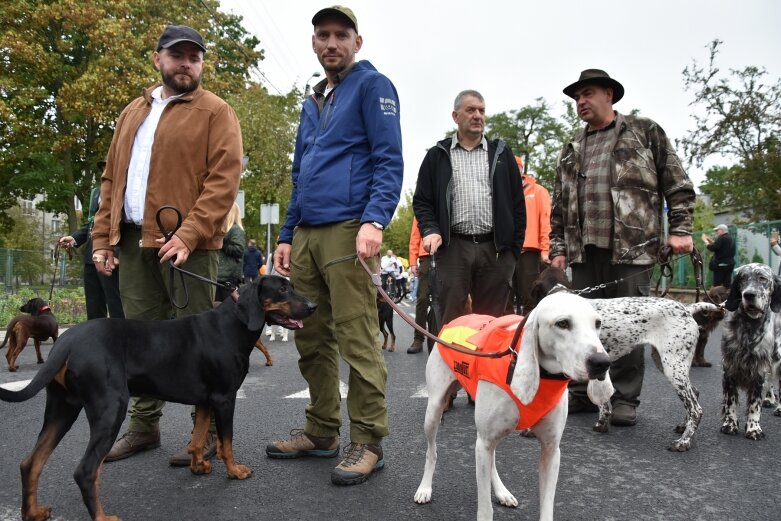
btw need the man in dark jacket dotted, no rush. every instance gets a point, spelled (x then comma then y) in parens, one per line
(471, 213)
(253, 260)
(723, 261)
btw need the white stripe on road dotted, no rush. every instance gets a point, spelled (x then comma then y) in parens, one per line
(15, 386)
(305, 392)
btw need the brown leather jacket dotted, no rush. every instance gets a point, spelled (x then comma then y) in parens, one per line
(195, 166)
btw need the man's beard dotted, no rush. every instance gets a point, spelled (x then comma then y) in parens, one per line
(180, 87)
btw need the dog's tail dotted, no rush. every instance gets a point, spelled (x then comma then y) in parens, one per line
(57, 359)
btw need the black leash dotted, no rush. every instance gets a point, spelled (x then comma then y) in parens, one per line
(167, 235)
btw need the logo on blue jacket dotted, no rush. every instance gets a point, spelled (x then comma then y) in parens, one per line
(388, 106)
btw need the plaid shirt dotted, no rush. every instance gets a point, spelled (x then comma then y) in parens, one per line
(471, 212)
(595, 202)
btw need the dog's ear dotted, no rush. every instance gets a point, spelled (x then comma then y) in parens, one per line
(775, 300)
(249, 308)
(735, 296)
(526, 378)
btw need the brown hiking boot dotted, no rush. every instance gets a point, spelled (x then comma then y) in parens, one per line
(302, 444)
(359, 462)
(131, 443)
(416, 347)
(182, 458)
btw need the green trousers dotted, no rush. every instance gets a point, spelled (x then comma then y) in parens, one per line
(325, 269)
(144, 285)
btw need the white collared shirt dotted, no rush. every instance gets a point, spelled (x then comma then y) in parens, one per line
(140, 156)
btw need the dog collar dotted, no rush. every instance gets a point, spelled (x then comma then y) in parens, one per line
(44, 308)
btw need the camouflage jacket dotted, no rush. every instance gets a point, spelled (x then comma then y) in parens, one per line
(645, 169)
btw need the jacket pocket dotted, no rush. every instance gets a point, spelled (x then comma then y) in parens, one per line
(634, 167)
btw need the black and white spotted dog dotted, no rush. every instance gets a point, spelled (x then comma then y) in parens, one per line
(750, 345)
(667, 326)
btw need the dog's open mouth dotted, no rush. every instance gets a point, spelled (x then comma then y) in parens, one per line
(279, 319)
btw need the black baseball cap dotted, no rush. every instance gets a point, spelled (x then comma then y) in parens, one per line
(174, 34)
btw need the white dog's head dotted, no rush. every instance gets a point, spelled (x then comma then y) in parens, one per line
(754, 290)
(561, 335)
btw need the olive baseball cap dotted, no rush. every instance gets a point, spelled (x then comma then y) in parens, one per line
(174, 34)
(337, 10)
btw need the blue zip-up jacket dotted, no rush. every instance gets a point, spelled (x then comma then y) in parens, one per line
(347, 163)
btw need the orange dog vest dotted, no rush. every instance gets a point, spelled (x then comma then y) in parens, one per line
(484, 333)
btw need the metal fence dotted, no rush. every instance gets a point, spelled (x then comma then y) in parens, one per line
(37, 268)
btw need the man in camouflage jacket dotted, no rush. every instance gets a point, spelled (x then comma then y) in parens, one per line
(606, 216)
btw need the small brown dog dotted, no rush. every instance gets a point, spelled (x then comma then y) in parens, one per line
(707, 321)
(39, 325)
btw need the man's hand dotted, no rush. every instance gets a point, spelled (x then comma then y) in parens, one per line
(681, 243)
(104, 261)
(544, 257)
(431, 243)
(174, 248)
(368, 241)
(282, 259)
(67, 242)
(413, 269)
(559, 261)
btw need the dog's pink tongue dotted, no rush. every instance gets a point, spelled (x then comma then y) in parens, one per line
(298, 323)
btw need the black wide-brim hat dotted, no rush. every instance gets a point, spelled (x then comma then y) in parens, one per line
(596, 77)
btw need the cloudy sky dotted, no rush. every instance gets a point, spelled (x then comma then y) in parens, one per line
(516, 51)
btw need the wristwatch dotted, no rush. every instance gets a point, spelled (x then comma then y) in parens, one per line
(377, 225)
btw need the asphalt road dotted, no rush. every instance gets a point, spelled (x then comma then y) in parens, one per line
(626, 474)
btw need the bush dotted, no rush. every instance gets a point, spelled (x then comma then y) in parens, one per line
(68, 305)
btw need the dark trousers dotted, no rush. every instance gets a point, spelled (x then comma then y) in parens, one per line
(102, 294)
(466, 268)
(422, 303)
(722, 275)
(627, 372)
(527, 269)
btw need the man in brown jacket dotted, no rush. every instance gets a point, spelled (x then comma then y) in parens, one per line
(178, 145)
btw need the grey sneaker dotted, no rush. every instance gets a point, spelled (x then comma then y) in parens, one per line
(133, 442)
(302, 444)
(182, 458)
(360, 461)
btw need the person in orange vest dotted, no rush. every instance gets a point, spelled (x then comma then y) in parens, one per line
(419, 264)
(535, 244)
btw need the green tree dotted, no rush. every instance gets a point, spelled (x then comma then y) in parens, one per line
(737, 116)
(534, 134)
(268, 126)
(396, 236)
(68, 67)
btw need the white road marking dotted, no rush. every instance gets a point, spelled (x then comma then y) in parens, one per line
(305, 392)
(15, 386)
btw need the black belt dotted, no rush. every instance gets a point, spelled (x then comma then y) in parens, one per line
(484, 237)
(131, 226)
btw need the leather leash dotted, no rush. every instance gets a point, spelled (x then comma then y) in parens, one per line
(666, 272)
(168, 234)
(510, 351)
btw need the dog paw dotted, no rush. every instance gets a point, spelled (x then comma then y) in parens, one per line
(777, 412)
(423, 495)
(505, 498)
(239, 472)
(766, 403)
(201, 468)
(680, 446)
(755, 434)
(269, 363)
(729, 428)
(37, 513)
(601, 426)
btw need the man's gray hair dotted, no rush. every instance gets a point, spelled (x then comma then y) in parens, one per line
(463, 94)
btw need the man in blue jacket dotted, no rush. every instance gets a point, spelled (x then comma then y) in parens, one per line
(347, 175)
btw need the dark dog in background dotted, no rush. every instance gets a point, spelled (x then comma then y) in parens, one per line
(40, 325)
(750, 345)
(708, 320)
(200, 360)
(385, 316)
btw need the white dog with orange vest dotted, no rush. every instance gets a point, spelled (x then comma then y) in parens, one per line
(561, 339)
